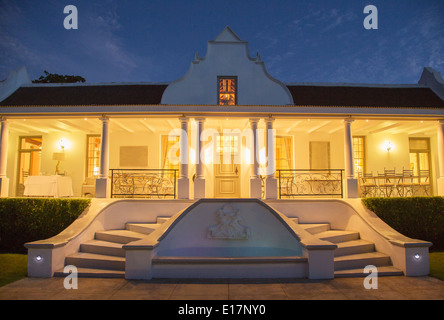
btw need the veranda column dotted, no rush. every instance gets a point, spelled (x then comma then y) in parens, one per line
(271, 187)
(4, 180)
(440, 184)
(199, 181)
(102, 185)
(255, 181)
(183, 184)
(351, 184)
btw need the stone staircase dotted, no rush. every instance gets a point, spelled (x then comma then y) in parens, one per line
(352, 254)
(104, 257)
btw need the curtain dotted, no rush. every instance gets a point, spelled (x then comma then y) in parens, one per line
(164, 146)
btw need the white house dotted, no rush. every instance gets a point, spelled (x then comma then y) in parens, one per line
(226, 129)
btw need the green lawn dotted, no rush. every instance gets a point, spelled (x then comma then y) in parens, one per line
(13, 266)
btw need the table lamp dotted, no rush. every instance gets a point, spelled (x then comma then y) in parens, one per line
(59, 156)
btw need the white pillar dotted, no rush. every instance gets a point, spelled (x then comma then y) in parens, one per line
(102, 185)
(4, 137)
(199, 181)
(271, 187)
(183, 184)
(255, 181)
(351, 184)
(440, 184)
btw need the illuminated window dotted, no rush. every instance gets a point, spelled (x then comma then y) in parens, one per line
(93, 155)
(29, 157)
(227, 144)
(284, 153)
(170, 149)
(227, 91)
(419, 152)
(359, 154)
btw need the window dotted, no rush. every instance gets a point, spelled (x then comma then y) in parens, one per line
(30, 154)
(227, 149)
(93, 145)
(284, 153)
(419, 156)
(227, 91)
(359, 154)
(227, 144)
(170, 152)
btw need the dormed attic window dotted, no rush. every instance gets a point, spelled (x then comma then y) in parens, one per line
(227, 90)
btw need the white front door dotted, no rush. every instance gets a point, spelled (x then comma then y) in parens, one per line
(227, 171)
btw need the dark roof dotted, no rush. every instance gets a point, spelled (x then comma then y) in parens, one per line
(86, 95)
(360, 96)
(151, 94)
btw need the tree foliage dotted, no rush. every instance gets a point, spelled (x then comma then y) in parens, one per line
(58, 78)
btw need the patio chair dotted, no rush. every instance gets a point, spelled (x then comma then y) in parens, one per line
(368, 184)
(424, 181)
(406, 184)
(387, 182)
(89, 187)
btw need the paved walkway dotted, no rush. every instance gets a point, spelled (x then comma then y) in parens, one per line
(389, 288)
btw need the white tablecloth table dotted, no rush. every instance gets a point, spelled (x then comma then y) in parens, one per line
(48, 186)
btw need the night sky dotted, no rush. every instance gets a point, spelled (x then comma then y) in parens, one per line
(156, 40)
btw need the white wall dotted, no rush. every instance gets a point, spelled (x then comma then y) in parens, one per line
(227, 56)
(301, 148)
(378, 158)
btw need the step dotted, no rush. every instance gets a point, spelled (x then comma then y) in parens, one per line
(96, 261)
(161, 220)
(337, 236)
(118, 236)
(296, 220)
(93, 273)
(315, 228)
(145, 228)
(361, 260)
(354, 247)
(103, 247)
(227, 260)
(383, 271)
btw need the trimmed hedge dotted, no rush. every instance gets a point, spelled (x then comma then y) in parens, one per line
(24, 220)
(415, 217)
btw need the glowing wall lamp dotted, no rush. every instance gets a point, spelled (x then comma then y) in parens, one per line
(63, 144)
(388, 146)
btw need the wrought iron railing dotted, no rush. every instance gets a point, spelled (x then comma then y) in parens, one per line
(144, 183)
(310, 183)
